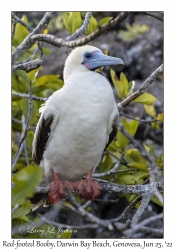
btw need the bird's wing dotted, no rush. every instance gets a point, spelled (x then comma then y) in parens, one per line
(46, 124)
(112, 126)
(41, 137)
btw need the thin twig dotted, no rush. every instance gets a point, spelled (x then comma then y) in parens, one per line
(28, 43)
(150, 14)
(15, 208)
(154, 231)
(58, 42)
(36, 98)
(82, 29)
(13, 28)
(138, 119)
(91, 217)
(130, 207)
(16, 18)
(111, 171)
(28, 116)
(123, 162)
(28, 66)
(137, 227)
(36, 63)
(144, 203)
(24, 143)
(153, 169)
(19, 151)
(18, 121)
(24, 132)
(141, 89)
(111, 187)
(30, 58)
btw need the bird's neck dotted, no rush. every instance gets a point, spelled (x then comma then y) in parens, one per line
(69, 71)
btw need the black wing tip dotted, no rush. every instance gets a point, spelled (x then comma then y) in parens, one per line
(42, 138)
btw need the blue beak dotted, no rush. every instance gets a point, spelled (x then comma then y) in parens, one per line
(97, 59)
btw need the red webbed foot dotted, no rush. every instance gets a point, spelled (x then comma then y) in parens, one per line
(56, 190)
(88, 188)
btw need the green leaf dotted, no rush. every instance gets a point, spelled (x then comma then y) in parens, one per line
(155, 125)
(20, 32)
(159, 161)
(25, 182)
(150, 110)
(42, 80)
(151, 149)
(46, 51)
(140, 175)
(32, 74)
(130, 87)
(126, 179)
(131, 128)
(15, 83)
(92, 26)
(66, 235)
(76, 21)
(145, 98)
(117, 84)
(22, 210)
(106, 163)
(29, 139)
(136, 156)
(67, 22)
(133, 31)
(160, 117)
(139, 166)
(104, 21)
(122, 140)
(72, 21)
(23, 75)
(23, 81)
(155, 200)
(124, 81)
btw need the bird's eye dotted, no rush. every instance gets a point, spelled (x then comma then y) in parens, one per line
(87, 55)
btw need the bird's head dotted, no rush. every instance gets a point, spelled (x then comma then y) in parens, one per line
(87, 58)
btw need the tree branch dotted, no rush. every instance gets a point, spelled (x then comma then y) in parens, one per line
(138, 119)
(28, 66)
(150, 14)
(112, 188)
(111, 171)
(153, 169)
(36, 98)
(82, 29)
(25, 128)
(93, 218)
(137, 227)
(130, 207)
(17, 19)
(58, 42)
(13, 28)
(19, 151)
(141, 89)
(28, 42)
(144, 203)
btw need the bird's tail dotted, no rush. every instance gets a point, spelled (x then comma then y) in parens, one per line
(39, 200)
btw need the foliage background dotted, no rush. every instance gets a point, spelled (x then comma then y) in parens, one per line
(139, 42)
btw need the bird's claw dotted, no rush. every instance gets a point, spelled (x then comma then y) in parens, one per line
(56, 190)
(88, 189)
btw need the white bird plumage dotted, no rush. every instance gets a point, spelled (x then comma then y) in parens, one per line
(82, 116)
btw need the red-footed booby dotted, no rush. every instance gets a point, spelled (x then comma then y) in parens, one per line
(76, 124)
